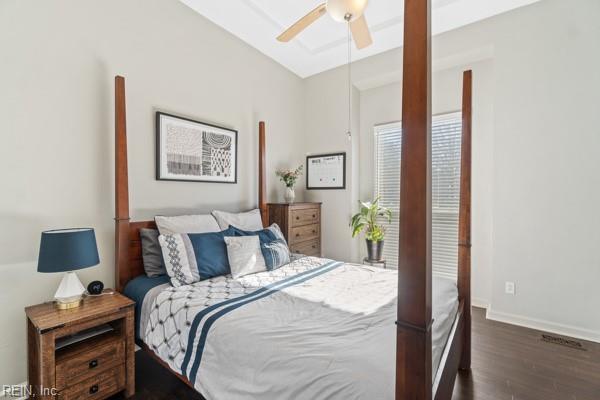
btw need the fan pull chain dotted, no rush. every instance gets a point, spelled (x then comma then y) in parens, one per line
(349, 132)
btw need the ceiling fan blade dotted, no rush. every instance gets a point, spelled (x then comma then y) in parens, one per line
(360, 32)
(303, 23)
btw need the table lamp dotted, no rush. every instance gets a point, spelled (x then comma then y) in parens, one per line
(67, 250)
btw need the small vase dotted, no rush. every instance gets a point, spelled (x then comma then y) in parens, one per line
(289, 195)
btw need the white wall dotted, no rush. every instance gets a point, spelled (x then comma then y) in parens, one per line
(57, 63)
(326, 124)
(546, 166)
(535, 167)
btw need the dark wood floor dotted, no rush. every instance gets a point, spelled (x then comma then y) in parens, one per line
(513, 363)
(509, 363)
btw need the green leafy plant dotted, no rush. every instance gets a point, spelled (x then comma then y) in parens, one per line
(289, 177)
(366, 220)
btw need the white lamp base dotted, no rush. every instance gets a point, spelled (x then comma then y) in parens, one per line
(70, 292)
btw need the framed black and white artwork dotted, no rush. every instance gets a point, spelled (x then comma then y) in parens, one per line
(188, 150)
(326, 171)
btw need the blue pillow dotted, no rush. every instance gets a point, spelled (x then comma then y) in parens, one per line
(193, 257)
(211, 253)
(272, 245)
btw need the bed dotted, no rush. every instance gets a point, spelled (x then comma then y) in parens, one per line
(318, 328)
(318, 322)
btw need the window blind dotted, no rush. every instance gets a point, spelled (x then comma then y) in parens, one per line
(445, 182)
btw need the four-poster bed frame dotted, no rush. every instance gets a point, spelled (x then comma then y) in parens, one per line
(414, 377)
(413, 346)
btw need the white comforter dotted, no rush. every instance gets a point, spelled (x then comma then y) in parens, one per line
(313, 329)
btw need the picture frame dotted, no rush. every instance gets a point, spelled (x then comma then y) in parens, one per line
(326, 171)
(188, 150)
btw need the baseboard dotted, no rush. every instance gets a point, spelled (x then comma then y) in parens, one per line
(541, 325)
(5, 394)
(479, 303)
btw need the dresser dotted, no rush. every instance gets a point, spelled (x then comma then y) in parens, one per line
(67, 362)
(300, 224)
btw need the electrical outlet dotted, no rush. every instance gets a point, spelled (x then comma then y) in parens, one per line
(509, 288)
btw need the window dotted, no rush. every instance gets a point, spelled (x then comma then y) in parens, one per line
(445, 182)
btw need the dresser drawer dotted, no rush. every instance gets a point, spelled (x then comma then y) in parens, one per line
(96, 387)
(304, 217)
(304, 233)
(310, 248)
(81, 365)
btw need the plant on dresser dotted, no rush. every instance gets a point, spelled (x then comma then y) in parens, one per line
(300, 224)
(81, 353)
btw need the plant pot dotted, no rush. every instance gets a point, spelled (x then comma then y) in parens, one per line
(374, 250)
(289, 195)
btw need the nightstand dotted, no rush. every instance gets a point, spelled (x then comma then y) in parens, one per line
(68, 356)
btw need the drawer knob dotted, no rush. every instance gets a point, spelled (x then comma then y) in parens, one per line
(297, 235)
(314, 231)
(314, 247)
(93, 389)
(297, 217)
(93, 364)
(314, 216)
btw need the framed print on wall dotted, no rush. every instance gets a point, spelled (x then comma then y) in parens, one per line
(194, 151)
(326, 171)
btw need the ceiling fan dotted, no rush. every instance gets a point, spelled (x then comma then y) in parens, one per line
(350, 11)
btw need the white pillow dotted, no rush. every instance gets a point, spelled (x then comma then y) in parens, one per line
(247, 221)
(245, 256)
(186, 224)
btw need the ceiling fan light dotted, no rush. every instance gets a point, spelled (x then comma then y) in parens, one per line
(346, 10)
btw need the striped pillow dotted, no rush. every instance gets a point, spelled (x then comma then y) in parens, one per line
(192, 257)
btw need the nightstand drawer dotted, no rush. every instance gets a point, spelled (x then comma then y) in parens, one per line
(304, 217)
(304, 233)
(310, 248)
(96, 387)
(75, 366)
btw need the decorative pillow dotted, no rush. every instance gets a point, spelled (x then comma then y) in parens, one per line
(193, 257)
(248, 221)
(151, 253)
(272, 244)
(245, 255)
(186, 224)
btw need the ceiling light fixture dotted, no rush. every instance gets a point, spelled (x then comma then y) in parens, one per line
(351, 12)
(346, 10)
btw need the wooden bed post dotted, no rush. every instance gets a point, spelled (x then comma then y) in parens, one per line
(262, 178)
(121, 185)
(464, 219)
(413, 348)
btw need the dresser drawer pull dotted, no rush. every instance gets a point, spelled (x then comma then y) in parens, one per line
(297, 235)
(297, 217)
(314, 216)
(314, 247)
(314, 231)
(93, 364)
(93, 389)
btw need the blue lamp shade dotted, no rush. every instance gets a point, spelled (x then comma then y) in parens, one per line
(65, 250)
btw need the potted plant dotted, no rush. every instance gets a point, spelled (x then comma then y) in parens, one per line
(289, 177)
(367, 220)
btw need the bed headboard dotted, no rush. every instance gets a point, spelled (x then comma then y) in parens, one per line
(128, 248)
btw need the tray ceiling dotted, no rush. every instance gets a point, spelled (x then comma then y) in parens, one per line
(323, 45)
